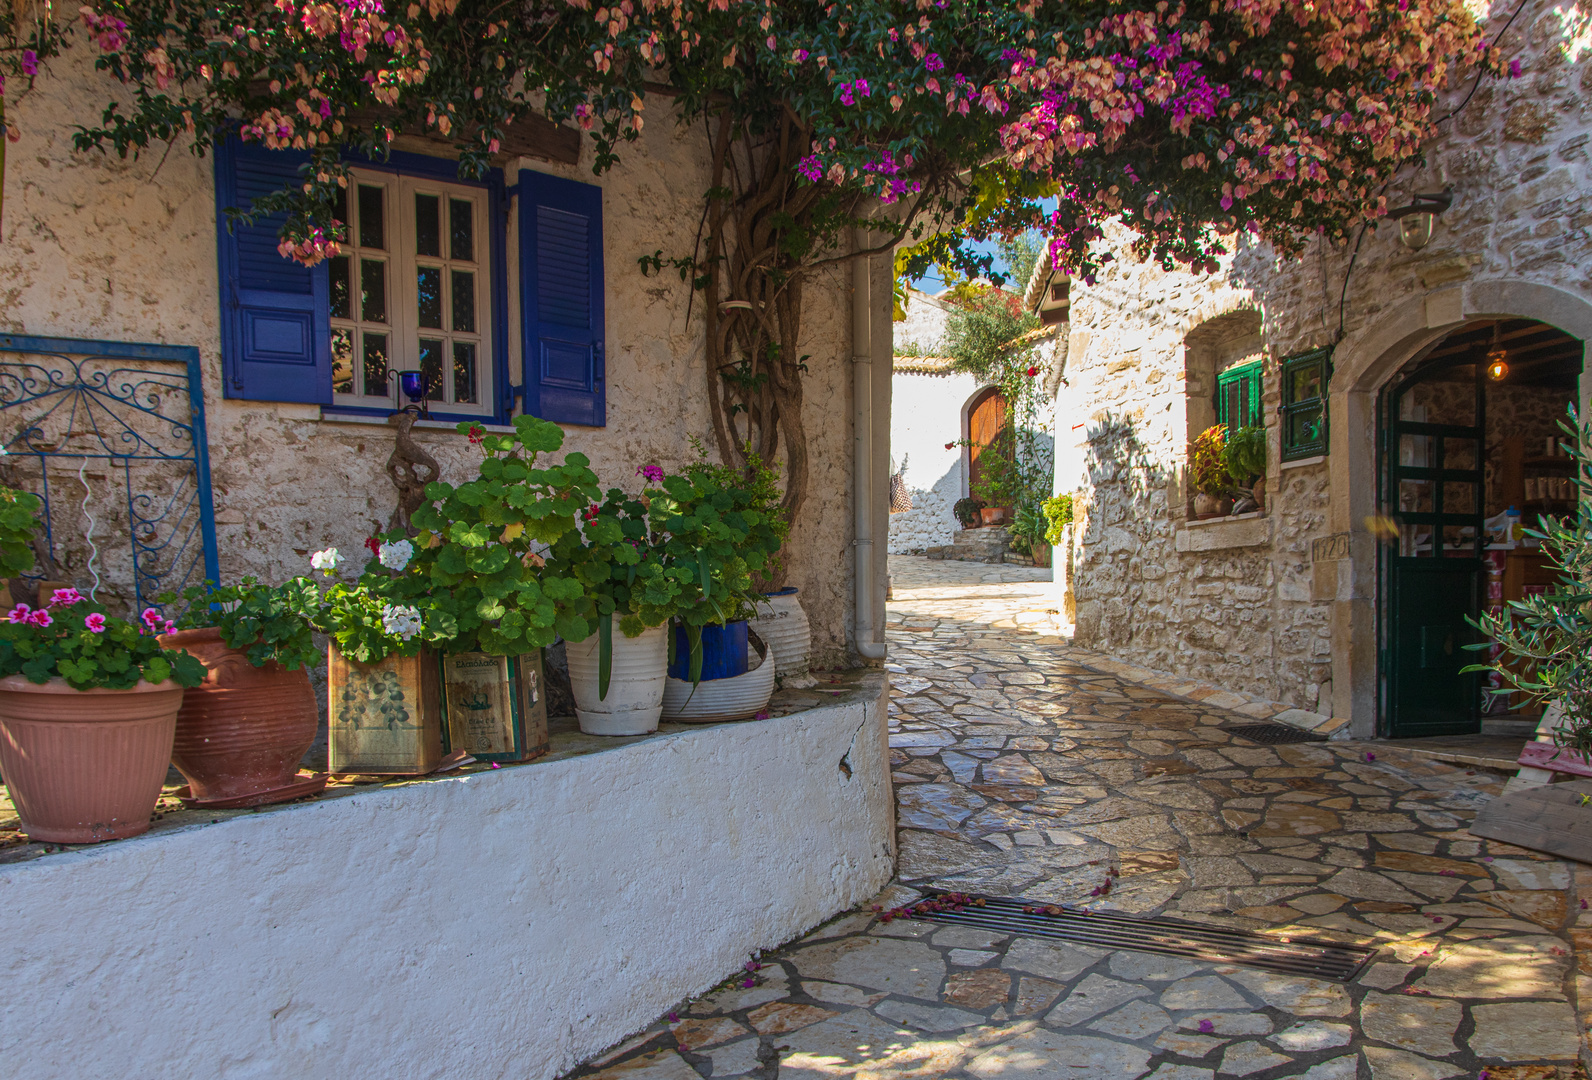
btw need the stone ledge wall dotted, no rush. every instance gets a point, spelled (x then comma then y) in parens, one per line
(1259, 619)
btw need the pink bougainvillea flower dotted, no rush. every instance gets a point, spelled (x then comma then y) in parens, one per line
(1514, 69)
(65, 598)
(95, 623)
(748, 983)
(764, 716)
(674, 1018)
(30, 62)
(40, 617)
(1370, 756)
(1206, 1027)
(19, 614)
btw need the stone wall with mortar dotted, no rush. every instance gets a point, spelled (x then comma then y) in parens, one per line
(97, 247)
(1242, 603)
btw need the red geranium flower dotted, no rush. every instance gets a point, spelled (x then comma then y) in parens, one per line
(373, 544)
(477, 433)
(1032, 372)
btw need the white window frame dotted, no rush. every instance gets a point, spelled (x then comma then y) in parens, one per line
(403, 291)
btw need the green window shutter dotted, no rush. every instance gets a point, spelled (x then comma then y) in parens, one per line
(1304, 404)
(1238, 396)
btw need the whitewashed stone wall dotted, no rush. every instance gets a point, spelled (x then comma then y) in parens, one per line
(96, 247)
(928, 412)
(1262, 617)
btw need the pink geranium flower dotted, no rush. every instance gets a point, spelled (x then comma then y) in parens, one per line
(40, 617)
(652, 474)
(65, 598)
(19, 614)
(95, 622)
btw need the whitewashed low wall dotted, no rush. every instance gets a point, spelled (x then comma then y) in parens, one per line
(502, 924)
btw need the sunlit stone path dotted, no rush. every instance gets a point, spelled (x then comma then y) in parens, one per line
(1020, 772)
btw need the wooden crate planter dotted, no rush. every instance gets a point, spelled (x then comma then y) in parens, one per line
(384, 718)
(495, 706)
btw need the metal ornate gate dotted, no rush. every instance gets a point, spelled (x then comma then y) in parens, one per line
(112, 437)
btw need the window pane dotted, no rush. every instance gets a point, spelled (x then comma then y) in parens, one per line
(340, 211)
(431, 368)
(1304, 427)
(428, 230)
(464, 371)
(1459, 453)
(463, 301)
(1305, 382)
(1459, 498)
(461, 215)
(376, 365)
(372, 218)
(372, 290)
(342, 295)
(342, 361)
(429, 302)
(1415, 496)
(1417, 450)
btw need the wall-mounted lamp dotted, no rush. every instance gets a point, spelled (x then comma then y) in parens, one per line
(413, 385)
(1417, 220)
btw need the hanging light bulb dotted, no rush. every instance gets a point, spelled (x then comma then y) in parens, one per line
(1497, 358)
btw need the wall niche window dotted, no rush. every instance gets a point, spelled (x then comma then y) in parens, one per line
(1224, 376)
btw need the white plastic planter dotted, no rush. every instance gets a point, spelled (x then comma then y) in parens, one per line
(740, 697)
(635, 685)
(783, 624)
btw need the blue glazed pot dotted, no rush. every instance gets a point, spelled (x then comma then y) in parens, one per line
(723, 652)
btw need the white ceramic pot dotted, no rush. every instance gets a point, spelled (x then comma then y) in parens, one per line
(740, 697)
(783, 624)
(635, 684)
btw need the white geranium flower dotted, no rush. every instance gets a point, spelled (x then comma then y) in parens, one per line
(396, 555)
(326, 561)
(400, 621)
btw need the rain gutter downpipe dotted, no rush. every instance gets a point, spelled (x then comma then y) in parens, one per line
(862, 445)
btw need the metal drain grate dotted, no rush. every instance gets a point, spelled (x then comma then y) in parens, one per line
(1273, 734)
(1165, 937)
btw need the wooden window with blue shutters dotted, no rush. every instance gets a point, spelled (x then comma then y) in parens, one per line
(275, 332)
(561, 306)
(1238, 395)
(1304, 404)
(421, 285)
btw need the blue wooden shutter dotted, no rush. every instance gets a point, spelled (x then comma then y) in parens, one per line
(275, 314)
(561, 299)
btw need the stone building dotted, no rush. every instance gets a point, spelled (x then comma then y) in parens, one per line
(547, 314)
(1393, 438)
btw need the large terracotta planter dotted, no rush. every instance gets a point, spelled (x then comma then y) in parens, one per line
(85, 765)
(241, 733)
(992, 515)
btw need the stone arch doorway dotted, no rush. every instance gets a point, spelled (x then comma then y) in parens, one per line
(1468, 449)
(985, 427)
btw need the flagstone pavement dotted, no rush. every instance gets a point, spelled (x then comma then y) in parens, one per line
(1021, 772)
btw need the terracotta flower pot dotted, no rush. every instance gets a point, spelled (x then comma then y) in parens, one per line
(85, 765)
(992, 515)
(241, 732)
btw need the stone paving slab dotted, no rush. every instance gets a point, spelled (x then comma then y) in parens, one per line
(1021, 771)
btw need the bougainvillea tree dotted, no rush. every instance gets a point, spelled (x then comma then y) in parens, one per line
(933, 122)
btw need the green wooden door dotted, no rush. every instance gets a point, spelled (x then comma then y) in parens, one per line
(1435, 496)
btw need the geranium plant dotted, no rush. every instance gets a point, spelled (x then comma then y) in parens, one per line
(478, 564)
(72, 638)
(268, 622)
(19, 523)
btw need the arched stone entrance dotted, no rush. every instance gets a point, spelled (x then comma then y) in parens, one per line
(1364, 364)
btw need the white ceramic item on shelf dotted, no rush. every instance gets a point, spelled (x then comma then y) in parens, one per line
(635, 685)
(783, 624)
(740, 697)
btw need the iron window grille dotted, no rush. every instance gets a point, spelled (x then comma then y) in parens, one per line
(1304, 404)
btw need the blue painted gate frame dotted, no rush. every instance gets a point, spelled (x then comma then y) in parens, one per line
(118, 395)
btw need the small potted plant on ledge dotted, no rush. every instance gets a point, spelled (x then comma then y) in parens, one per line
(1208, 473)
(966, 512)
(88, 713)
(1244, 458)
(242, 732)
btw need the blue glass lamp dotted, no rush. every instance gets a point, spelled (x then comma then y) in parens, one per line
(413, 385)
